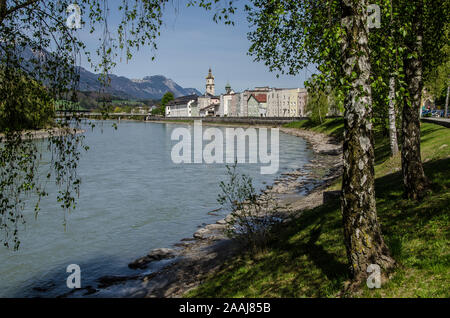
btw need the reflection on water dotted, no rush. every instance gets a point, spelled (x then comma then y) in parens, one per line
(133, 199)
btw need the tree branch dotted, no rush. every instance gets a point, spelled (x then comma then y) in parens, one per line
(4, 11)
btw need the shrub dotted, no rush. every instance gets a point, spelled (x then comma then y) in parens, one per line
(252, 215)
(24, 103)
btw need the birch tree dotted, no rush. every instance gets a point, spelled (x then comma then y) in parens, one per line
(286, 36)
(363, 239)
(421, 24)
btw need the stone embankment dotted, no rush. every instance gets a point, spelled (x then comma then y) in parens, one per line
(47, 133)
(232, 120)
(193, 259)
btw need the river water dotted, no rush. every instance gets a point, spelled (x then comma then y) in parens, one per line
(133, 199)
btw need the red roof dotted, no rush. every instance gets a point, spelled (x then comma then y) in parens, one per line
(261, 98)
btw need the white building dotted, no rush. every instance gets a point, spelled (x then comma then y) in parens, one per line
(226, 103)
(286, 102)
(185, 106)
(258, 102)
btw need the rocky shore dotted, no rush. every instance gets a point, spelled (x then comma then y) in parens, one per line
(190, 261)
(47, 133)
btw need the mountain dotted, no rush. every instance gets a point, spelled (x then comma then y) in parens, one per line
(150, 87)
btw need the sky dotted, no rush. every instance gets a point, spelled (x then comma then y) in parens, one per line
(190, 43)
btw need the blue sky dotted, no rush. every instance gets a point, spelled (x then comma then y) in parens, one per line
(190, 43)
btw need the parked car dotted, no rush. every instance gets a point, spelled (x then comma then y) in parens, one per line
(438, 113)
(426, 113)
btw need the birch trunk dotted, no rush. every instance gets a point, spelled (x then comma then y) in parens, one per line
(363, 239)
(392, 117)
(446, 102)
(414, 180)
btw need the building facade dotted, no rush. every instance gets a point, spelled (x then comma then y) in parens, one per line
(185, 106)
(257, 105)
(286, 102)
(257, 102)
(226, 103)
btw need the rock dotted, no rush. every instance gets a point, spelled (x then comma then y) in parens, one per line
(214, 227)
(211, 231)
(89, 291)
(107, 281)
(201, 234)
(140, 263)
(331, 152)
(229, 218)
(155, 255)
(216, 237)
(183, 244)
(186, 239)
(222, 222)
(161, 253)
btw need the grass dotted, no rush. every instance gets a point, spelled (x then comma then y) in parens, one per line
(308, 257)
(333, 127)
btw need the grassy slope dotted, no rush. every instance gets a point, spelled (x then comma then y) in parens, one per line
(308, 257)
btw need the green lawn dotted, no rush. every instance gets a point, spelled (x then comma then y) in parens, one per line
(332, 127)
(308, 257)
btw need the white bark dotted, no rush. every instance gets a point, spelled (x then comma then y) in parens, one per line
(446, 101)
(392, 119)
(362, 233)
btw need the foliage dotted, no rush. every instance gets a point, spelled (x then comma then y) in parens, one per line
(307, 258)
(317, 106)
(322, 101)
(252, 216)
(159, 111)
(24, 103)
(439, 78)
(37, 46)
(167, 98)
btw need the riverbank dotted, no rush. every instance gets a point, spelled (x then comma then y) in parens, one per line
(211, 248)
(193, 259)
(308, 257)
(252, 121)
(47, 133)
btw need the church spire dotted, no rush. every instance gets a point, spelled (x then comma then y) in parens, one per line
(210, 87)
(210, 74)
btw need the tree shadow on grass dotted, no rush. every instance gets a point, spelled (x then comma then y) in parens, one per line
(322, 219)
(397, 214)
(326, 261)
(307, 256)
(389, 186)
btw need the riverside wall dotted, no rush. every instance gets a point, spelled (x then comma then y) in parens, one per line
(233, 120)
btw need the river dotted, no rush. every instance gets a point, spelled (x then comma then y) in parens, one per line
(133, 199)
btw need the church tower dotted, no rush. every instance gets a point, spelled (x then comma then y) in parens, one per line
(210, 83)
